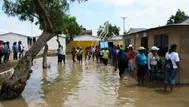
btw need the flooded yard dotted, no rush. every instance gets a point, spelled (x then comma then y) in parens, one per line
(91, 84)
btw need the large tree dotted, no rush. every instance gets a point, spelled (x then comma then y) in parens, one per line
(112, 30)
(179, 16)
(16, 84)
(72, 28)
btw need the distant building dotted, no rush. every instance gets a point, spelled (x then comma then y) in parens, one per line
(28, 41)
(133, 30)
(163, 37)
(15, 37)
(52, 43)
(86, 32)
(83, 41)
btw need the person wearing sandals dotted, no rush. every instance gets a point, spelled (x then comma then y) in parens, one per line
(141, 65)
(153, 59)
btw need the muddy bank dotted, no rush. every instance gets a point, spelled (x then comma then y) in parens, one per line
(8, 65)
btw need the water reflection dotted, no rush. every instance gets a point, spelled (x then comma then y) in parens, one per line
(19, 102)
(91, 84)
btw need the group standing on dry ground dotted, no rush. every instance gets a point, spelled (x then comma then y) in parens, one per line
(5, 51)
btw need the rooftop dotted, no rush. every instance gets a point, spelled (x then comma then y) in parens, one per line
(132, 30)
(158, 28)
(15, 34)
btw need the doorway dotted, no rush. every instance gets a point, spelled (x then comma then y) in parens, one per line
(144, 42)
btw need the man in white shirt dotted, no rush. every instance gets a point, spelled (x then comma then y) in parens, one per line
(61, 54)
(172, 67)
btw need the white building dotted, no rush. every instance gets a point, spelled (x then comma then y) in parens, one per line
(86, 38)
(117, 40)
(52, 43)
(15, 37)
(27, 41)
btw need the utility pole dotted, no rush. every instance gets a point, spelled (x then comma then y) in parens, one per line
(123, 23)
(32, 33)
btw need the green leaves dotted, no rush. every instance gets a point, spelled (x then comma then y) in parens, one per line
(179, 16)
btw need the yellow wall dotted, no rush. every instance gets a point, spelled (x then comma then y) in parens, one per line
(82, 44)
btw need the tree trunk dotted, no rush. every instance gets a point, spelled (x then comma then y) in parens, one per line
(58, 41)
(13, 87)
(45, 57)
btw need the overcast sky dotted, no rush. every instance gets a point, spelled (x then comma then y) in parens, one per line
(140, 13)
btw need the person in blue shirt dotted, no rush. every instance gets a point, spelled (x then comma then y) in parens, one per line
(15, 51)
(6, 51)
(141, 65)
(122, 62)
(112, 55)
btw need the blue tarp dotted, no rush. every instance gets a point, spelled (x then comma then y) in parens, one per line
(104, 44)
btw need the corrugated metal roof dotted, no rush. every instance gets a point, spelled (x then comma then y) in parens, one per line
(183, 20)
(159, 27)
(133, 30)
(15, 34)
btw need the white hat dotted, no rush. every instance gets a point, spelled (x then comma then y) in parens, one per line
(141, 48)
(154, 48)
(130, 46)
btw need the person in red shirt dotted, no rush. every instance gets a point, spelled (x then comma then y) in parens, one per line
(131, 55)
(97, 51)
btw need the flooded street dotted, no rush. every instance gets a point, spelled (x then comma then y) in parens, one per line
(91, 85)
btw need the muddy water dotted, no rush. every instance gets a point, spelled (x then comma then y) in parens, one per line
(91, 85)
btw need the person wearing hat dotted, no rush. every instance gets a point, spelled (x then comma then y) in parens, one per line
(153, 59)
(131, 56)
(141, 65)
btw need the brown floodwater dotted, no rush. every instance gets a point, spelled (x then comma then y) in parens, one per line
(91, 84)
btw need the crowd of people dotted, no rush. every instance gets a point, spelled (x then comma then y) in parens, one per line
(6, 50)
(129, 61)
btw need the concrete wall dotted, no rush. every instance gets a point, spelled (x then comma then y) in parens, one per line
(82, 44)
(52, 43)
(85, 38)
(183, 52)
(178, 35)
(117, 42)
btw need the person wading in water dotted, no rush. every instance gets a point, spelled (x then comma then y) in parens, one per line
(80, 55)
(105, 56)
(153, 59)
(131, 55)
(172, 66)
(141, 65)
(122, 61)
(73, 54)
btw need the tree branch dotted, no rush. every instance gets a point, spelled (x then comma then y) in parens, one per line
(35, 16)
(43, 15)
(58, 40)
